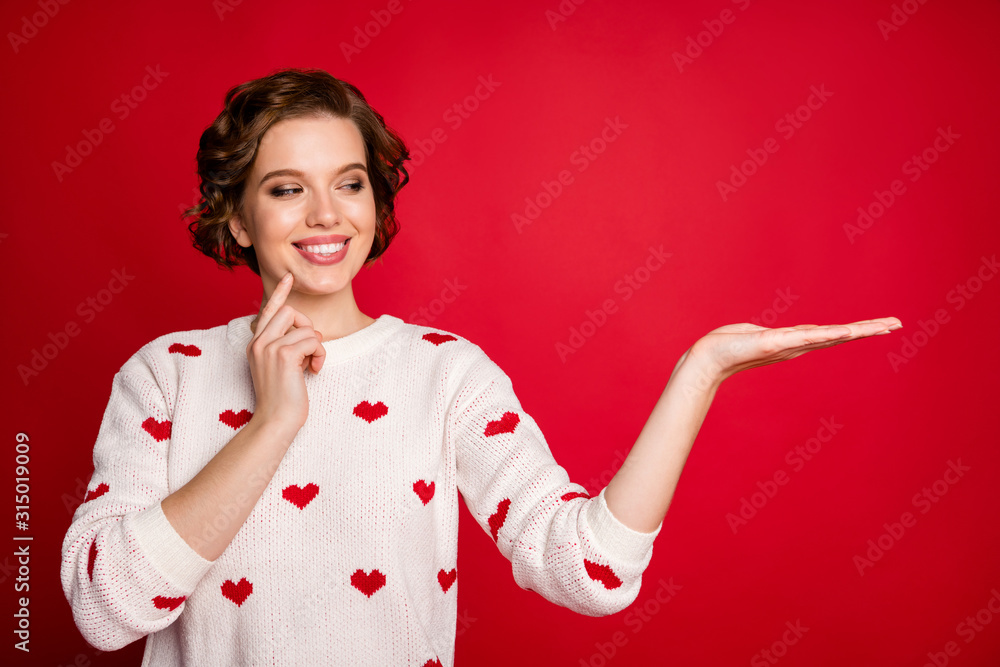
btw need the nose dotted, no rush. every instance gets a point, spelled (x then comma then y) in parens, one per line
(323, 210)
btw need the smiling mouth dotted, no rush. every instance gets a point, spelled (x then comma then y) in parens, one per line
(325, 249)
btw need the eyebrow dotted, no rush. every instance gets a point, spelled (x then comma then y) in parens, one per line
(298, 174)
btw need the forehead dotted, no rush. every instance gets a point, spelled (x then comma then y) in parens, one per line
(307, 142)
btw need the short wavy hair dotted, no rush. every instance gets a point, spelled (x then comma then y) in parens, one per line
(229, 146)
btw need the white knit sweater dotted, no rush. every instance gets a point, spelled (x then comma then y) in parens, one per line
(349, 556)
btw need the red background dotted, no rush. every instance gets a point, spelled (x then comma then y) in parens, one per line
(656, 184)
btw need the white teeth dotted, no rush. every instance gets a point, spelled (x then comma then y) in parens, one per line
(325, 249)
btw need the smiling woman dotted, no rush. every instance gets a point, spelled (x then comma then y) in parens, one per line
(314, 515)
(228, 150)
(283, 489)
(288, 216)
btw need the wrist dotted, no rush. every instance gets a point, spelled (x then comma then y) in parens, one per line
(697, 371)
(273, 429)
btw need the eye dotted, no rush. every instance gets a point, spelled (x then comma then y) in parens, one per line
(357, 186)
(284, 192)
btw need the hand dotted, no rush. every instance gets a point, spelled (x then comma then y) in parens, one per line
(736, 347)
(283, 346)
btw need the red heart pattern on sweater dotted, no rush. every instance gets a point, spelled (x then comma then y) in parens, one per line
(161, 602)
(186, 350)
(300, 497)
(101, 489)
(424, 490)
(574, 494)
(91, 559)
(235, 419)
(238, 593)
(437, 338)
(505, 424)
(159, 430)
(368, 584)
(446, 579)
(436, 662)
(603, 574)
(497, 518)
(370, 412)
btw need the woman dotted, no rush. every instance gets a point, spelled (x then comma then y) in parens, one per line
(282, 489)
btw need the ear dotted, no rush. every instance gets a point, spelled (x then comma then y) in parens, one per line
(239, 231)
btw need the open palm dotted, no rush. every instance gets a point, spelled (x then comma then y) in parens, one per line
(736, 347)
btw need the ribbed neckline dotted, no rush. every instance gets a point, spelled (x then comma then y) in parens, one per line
(346, 347)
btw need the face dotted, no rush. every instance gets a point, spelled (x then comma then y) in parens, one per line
(308, 206)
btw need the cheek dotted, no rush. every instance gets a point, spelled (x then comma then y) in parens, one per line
(364, 216)
(276, 225)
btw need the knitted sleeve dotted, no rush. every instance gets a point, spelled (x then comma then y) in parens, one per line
(125, 571)
(561, 543)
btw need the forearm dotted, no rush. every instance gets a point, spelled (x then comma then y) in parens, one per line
(640, 492)
(210, 509)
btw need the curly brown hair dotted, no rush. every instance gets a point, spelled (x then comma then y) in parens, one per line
(228, 148)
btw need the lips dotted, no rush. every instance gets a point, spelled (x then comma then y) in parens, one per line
(321, 240)
(323, 250)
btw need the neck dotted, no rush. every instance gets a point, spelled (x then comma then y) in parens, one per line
(334, 315)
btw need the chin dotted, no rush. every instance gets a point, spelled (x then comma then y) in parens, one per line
(321, 289)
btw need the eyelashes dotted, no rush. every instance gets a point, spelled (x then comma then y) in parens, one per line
(280, 193)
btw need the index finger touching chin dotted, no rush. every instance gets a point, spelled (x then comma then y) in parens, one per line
(276, 300)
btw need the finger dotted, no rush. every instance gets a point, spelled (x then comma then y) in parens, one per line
(797, 327)
(819, 342)
(319, 356)
(278, 329)
(304, 347)
(853, 330)
(297, 334)
(872, 327)
(275, 301)
(307, 342)
(886, 320)
(283, 322)
(812, 334)
(877, 326)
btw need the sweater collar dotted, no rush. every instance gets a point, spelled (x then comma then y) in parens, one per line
(346, 347)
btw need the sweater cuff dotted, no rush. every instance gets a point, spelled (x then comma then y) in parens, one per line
(615, 536)
(166, 549)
